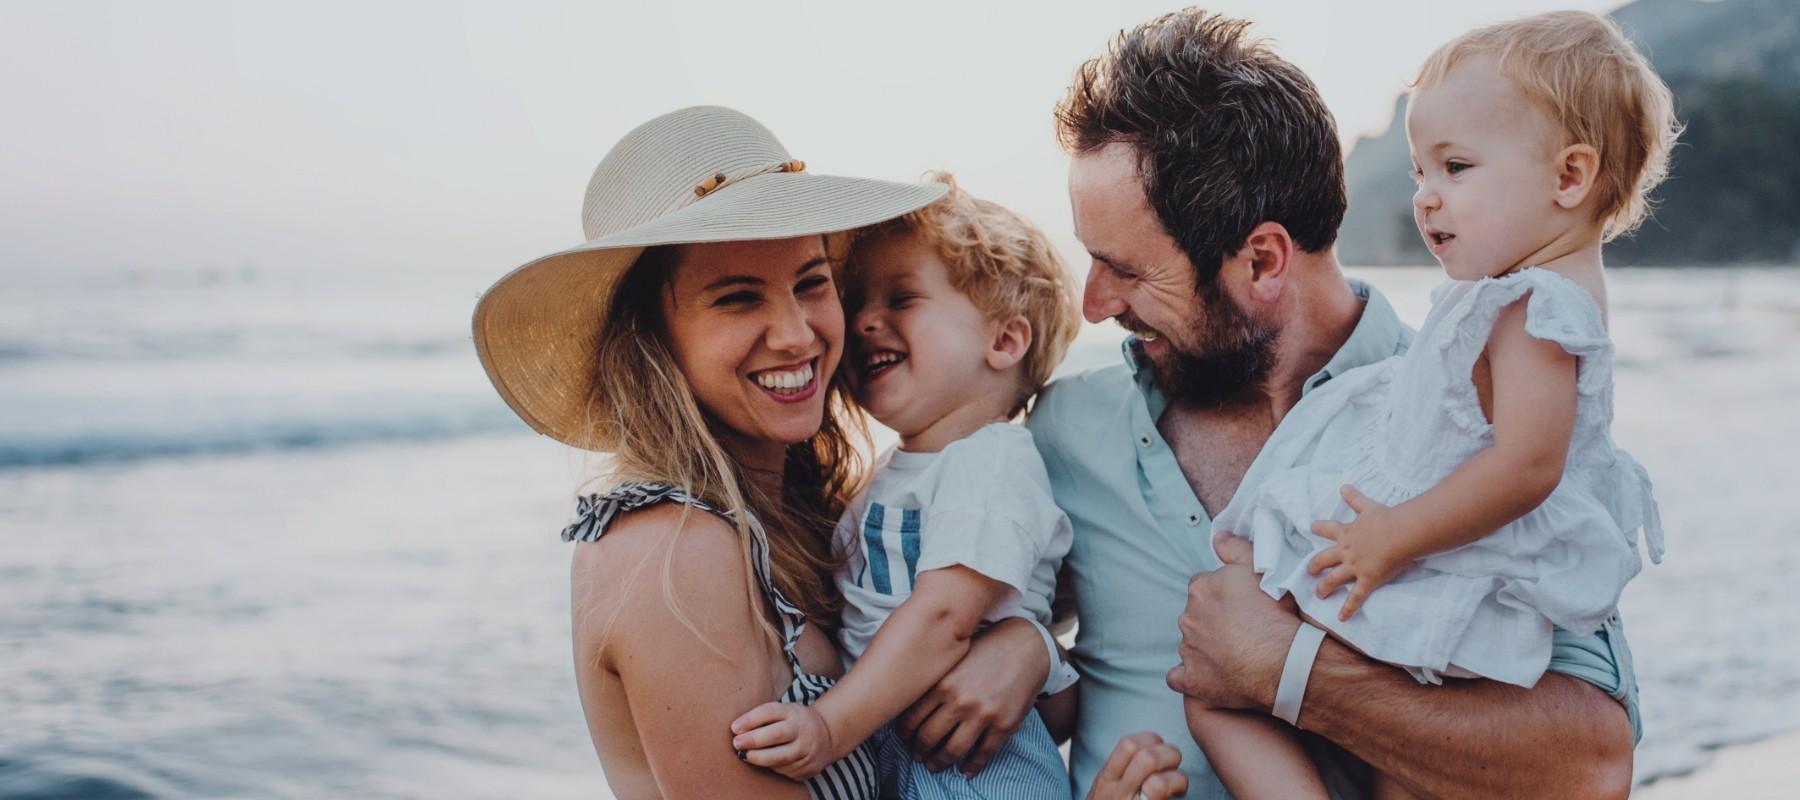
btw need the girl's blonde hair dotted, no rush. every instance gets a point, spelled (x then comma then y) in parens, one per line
(1596, 88)
(659, 432)
(1004, 264)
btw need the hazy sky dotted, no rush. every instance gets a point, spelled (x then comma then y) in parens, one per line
(459, 137)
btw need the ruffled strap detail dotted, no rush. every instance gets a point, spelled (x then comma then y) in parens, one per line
(595, 512)
(1633, 504)
(1558, 310)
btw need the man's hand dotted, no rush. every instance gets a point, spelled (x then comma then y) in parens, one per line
(1367, 553)
(789, 738)
(1141, 766)
(969, 714)
(1234, 639)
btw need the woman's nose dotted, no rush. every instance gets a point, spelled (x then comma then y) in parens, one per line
(789, 329)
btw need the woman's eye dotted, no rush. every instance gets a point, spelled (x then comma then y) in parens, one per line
(814, 283)
(736, 299)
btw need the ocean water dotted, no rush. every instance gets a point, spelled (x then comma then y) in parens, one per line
(267, 536)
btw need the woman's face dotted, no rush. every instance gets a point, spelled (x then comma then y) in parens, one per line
(756, 328)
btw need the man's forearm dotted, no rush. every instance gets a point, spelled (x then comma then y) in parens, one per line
(1474, 738)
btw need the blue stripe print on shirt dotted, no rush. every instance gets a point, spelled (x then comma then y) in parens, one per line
(909, 544)
(875, 550)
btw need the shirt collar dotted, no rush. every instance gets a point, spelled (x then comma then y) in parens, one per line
(1378, 334)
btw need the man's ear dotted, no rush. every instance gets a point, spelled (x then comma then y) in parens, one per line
(1010, 341)
(1269, 250)
(1577, 167)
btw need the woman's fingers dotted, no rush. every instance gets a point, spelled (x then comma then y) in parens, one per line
(1141, 762)
(990, 743)
(1166, 784)
(960, 743)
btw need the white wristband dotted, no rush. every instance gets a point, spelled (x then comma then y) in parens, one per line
(1061, 676)
(1296, 672)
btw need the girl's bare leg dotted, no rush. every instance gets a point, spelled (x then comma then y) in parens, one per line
(1255, 756)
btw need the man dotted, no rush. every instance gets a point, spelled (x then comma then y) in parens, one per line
(1207, 183)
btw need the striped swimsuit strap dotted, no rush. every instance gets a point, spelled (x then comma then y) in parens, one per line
(852, 778)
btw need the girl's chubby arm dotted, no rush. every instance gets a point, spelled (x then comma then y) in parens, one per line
(680, 690)
(1533, 413)
(917, 645)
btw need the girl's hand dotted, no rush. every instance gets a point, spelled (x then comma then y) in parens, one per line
(788, 738)
(1141, 766)
(1366, 554)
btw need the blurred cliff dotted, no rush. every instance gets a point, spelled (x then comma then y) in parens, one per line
(1733, 193)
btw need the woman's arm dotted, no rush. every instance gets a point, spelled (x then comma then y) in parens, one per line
(680, 690)
(1533, 413)
(926, 636)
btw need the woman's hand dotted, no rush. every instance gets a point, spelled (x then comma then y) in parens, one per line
(1141, 766)
(1367, 553)
(789, 738)
(969, 714)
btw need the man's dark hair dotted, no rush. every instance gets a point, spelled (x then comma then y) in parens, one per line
(1228, 134)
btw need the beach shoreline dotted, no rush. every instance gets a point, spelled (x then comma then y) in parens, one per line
(1761, 768)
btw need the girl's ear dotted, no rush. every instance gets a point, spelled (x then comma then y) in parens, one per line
(1577, 167)
(1010, 341)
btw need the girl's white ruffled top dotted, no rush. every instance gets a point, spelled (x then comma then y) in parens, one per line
(1395, 429)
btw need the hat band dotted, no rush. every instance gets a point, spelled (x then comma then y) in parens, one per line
(719, 180)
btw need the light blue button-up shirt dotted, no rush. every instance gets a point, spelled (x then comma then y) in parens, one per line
(1141, 534)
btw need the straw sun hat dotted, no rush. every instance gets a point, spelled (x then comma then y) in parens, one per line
(702, 174)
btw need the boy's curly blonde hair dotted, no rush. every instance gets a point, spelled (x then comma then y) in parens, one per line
(1002, 263)
(1596, 88)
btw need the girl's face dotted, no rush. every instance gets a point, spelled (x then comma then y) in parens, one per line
(1483, 157)
(756, 328)
(919, 346)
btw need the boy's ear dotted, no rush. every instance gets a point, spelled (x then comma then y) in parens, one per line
(1010, 341)
(1577, 167)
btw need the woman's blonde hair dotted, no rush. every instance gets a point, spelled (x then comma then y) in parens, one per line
(661, 433)
(1596, 88)
(1003, 263)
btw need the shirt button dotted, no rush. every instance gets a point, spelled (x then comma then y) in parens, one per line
(1193, 519)
(1143, 440)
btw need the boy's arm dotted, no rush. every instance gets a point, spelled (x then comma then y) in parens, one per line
(915, 647)
(1534, 415)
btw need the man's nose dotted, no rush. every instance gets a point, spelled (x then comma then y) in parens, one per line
(1100, 300)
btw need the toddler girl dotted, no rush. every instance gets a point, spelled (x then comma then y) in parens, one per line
(1443, 510)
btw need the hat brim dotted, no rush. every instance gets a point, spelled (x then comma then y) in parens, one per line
(536, 329)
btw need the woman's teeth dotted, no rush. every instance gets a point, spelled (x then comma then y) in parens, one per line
(785, 381)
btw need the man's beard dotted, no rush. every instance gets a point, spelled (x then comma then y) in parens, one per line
(1233, 352)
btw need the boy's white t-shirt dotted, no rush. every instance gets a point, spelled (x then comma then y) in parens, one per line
(982, 502)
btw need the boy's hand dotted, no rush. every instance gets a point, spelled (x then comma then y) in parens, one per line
(1366, 554)
(788, 738)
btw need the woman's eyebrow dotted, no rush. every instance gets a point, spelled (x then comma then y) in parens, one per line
(752, 280)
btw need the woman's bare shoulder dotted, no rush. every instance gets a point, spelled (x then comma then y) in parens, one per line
(619, 579)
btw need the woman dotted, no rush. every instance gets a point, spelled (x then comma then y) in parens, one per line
(694, 338)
